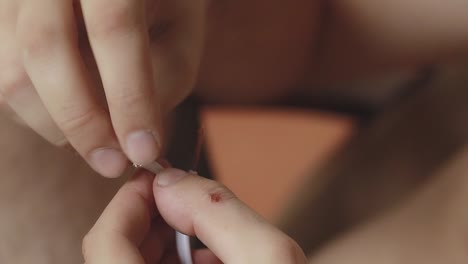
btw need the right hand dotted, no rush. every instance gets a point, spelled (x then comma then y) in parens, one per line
(56, 54)
(133, 230)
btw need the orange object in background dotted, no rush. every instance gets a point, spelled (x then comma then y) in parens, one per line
(263, 155)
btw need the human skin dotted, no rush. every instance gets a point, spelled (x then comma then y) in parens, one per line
(40, 183)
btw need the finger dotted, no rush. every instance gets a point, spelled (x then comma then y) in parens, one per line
(235, 233)
(160, 238)
(205, 256)
(16, 90)
(50, 53)
(118, 35)
(19, 94)
(124, 224)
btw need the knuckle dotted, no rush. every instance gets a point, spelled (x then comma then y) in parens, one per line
(74, 121)
(13, 80)
(112, 17)
(125, 99)
(38, 38)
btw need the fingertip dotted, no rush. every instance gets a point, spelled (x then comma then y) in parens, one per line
(109, 162)
(168, 177)
(143, 147)
(171, 201)
(142, 181)
(125, 222)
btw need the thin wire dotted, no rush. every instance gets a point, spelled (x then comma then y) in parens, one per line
(182, 241)
(183, 248)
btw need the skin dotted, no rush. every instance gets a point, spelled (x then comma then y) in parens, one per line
(61, 57)
(131, 230)
(49, 78)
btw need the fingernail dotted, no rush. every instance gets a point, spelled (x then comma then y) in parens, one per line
(143, 147)
(169, 177)
(109, 162)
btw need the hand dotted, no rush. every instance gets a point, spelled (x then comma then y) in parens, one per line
(132, 231)
(56, 54)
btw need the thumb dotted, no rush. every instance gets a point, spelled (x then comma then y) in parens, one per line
(208, 210)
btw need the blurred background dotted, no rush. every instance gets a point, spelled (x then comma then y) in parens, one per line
(319, 167)
(264, 155)
(316, 167)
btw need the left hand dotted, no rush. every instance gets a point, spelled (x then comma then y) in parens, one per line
(99, 75)
(132, 231)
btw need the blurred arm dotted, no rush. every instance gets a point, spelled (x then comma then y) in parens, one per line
(364, 36)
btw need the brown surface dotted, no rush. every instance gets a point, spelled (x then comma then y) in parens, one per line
(262, 155)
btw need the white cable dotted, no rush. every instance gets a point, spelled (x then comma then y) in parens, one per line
(182, 241)
(183, 248)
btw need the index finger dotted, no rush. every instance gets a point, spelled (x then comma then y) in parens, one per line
(117, 235)
(119, 38)
(234, 232)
